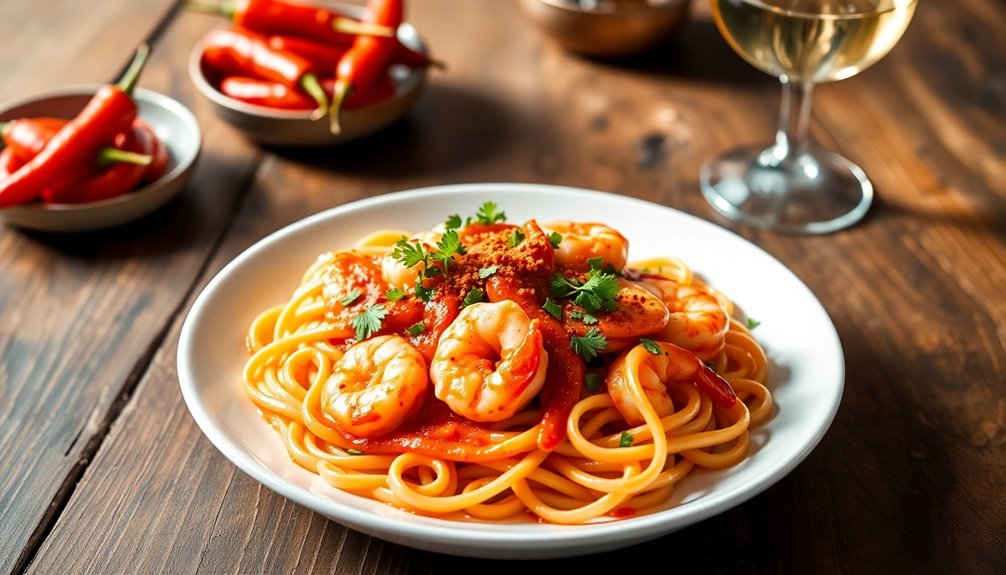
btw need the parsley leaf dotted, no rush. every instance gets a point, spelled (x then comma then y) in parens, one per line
(410, 254)
(594, 295)
(595, 263)
(394, 294)
(553, 309)
(625, 440)
(453, 222)
(474, 296)
(516, 237)
(352, 451)
(651, 346)
(592, 382)
(422, 292)
(753, 323)
(590, 344)
(448, 245)
(555, 239)
(353, 295)
(416, 328)
(583, 317)
(368, 322)
(487, 271)
(489, 213)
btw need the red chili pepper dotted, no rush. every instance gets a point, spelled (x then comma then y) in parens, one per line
(26, 137)
(368, 58)
(276, 95)
(89, 184)
(9, 162)
(244, 53)
(109, 112)
(322, 56)
(277, 17)
(160, 155)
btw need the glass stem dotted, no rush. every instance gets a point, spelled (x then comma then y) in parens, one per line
(793, 138)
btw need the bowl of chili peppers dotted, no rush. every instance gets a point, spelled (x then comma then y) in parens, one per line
(296, 74)
(90, 157)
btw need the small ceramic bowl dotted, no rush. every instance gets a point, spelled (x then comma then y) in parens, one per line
(608, 27)
(175, 127)
(296, 127)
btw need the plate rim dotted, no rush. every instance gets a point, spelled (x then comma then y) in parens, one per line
(453, 533)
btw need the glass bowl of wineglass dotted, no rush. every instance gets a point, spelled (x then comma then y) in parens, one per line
(791, 185)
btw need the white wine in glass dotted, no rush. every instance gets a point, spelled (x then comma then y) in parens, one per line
(790, 186)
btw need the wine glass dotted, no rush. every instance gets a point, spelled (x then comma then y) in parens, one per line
(791, 185)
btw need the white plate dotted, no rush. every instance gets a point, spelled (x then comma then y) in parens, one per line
(806, 369)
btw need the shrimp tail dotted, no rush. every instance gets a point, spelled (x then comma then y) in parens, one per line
(713, 385)
(523, 364)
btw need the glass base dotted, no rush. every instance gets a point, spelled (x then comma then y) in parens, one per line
(812, 193)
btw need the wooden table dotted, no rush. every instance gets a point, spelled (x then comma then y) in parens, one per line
(102, 470)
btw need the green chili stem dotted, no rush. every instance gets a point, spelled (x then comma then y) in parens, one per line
(109, 155)
(132, 75)
(339, 93)
(228, 9)
(313, 87)
(350, 26)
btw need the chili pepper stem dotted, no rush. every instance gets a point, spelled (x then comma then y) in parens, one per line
(350, 26)
(132, 74)
(313, 87)
(228, 9)
(109, 155)
(340, 90)
(5, 127)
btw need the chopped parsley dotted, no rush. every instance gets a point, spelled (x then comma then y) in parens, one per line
(651, 346)
(416, 328)
(353, 295)
(583, 317)
(448, 245)
(625, 440)
(474, 296)
(590, 344)
(753, 323)
(487, 271)
(515, 239)
(595, 295)
(592, 382)
(368, 322)
(422, 292)
(453, 222)
(555, 239)
(354, 451)
(414, 253)
(553, 309)
(394, 294)
(410, 254)
(489, 213)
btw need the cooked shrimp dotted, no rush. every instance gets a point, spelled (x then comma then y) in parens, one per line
(395, 272)
(639, 312)
(375, 386)
(582, 241)
(490, 361)
(638, 367)
(346, 272)
(698, 322)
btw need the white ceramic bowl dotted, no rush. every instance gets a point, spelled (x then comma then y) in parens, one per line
(175, 127)
(296, 127)
(806, 363)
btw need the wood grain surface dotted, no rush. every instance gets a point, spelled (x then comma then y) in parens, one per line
(102, 470)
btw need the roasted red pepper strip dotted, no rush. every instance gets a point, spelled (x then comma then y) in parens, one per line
(26, 137)
(277, 17)
(367, 59)
(109, 112)
(244, 53)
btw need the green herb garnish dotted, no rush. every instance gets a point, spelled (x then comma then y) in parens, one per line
(590, 344)
(651, 346)
(580, 316)
(753, 323)
(453, 222)
(354, 451)
(555, 239)
(625, 440)
(474, 296)
(368, 322)
(422, 292)
(353, 295)
(489, 213)
(553, 309)
(592, 382)
(394, 294)
(416, 328)
(595, 295)
(516, 237)
(487, 271)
